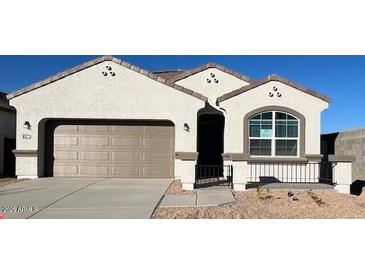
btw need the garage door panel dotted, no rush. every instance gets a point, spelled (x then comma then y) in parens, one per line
(158, 131)
(164, 157)
(65, 155)
(126, 156)
(94, 141)
(66, 140)
(125, 171)
(156, 171)
(127, 131)
(97, 129)
(119, 150)
(123, 142)
(94, 170)
(64, 170)
(157, 143)
(94, 155)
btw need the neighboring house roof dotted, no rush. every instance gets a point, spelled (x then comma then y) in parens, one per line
(270, 78)
(98, 61)
(3, 96)
(4, 104)
(168, 74)
(207, 66)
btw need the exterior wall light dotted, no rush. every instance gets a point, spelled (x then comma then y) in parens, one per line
(186, 127)
(27, 125)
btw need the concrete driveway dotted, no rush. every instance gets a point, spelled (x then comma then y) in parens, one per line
(82, 198)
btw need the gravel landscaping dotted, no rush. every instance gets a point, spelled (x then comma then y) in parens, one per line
(176, 189)
(266, 204)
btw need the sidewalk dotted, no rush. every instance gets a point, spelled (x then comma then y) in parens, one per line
(202, 197)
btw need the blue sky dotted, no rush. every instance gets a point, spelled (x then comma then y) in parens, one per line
(339, 77)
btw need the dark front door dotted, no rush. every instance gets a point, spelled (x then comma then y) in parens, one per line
(210, 139)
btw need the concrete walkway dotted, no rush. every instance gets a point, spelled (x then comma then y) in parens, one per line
(202, 197)
(82, 198)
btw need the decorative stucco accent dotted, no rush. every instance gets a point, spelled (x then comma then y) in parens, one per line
(270, 78)
(242, 157)
(25, 153)
(193, 71)
(277, 160)
(341, 158)
(236, 157)
(187, 156)
(314, 157)
(276, 108)
(98, 61)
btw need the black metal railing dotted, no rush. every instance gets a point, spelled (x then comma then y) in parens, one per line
(291, 172)
(213, 175)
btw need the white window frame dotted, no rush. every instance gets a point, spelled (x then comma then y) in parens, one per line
(273, 138)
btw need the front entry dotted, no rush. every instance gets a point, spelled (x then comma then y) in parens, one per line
(210, 139)
(210, 146)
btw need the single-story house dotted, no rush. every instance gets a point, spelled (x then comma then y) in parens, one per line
(109, 118)
(7, 137)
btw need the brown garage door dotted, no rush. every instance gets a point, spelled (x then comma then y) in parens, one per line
(138, 149)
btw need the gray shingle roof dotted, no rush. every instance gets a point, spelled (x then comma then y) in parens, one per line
(207, 66)
(95, 62)
(269, 78)
(169, 74)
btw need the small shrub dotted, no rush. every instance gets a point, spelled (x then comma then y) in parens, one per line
(315, 198)
(261, 195)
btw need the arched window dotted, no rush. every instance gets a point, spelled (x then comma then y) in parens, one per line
(273, 133)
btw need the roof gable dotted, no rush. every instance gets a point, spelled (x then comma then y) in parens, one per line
(270, 78)
(99, 60)
(193, 71)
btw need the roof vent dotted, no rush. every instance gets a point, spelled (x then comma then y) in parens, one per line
(109, 69)
(212, 78)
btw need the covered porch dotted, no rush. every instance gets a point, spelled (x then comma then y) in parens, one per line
(277, 174)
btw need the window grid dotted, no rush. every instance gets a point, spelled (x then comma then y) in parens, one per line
(274, 138)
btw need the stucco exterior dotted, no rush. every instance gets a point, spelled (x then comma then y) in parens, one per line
(130, 94)
(90, 95)
(225, 83)
(237, 107)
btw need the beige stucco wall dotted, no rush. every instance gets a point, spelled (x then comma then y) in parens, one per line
(226, 83)
(88, 94)
(237, 107)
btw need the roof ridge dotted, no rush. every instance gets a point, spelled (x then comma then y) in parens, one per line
(269, 78)
(168, 70)
(207, 66)
(96, 61)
